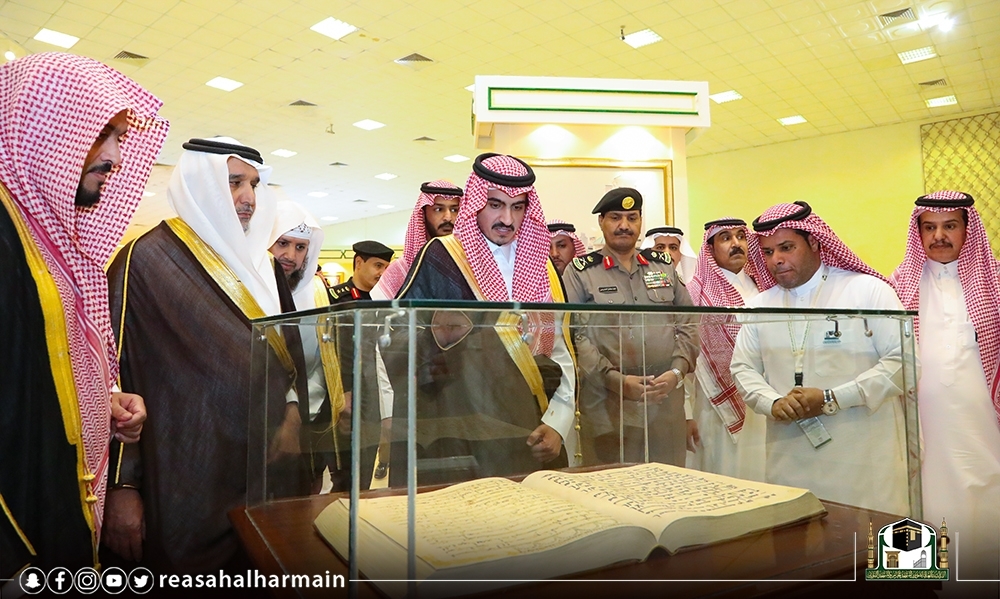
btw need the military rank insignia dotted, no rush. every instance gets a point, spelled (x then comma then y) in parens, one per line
(656, 279)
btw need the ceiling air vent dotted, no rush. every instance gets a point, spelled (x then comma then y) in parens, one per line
(126, 55)
(897, 16)
(301, 103)
(934, 83)
(424, 138)
(360, 201)
(412, 58)
(338, 164)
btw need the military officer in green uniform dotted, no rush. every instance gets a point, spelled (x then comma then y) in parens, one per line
(630, 364)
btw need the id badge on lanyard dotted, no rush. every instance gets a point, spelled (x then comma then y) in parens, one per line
(812, 427)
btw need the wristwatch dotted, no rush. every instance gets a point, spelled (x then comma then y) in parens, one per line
(677, 373)
(830, 405)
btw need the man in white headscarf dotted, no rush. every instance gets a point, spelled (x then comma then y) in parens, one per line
(672, 241)
(182, 297)
(296, 239)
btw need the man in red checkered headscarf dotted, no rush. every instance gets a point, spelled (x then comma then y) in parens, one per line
(433, 216)
(731, 438)
(77, 142)
(830, 388)
(949, 275)
(565, 244)
(498, 367)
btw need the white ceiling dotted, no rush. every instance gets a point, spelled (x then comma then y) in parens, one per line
(829, 60)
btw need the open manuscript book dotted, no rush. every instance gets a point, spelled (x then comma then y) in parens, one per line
(554, 524)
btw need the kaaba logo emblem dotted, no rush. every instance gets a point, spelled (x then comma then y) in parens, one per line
(628, 202)
(907, 550)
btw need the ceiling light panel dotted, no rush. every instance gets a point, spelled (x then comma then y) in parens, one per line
(226, 85)
(369, 125)
(642, 38)
(792, 120)
(386, 176)
(729, 96)
(283, 153)
(317, 194)
(917, 55)
(942, 101)
(333, 28)
(456, 158)
(55, 38)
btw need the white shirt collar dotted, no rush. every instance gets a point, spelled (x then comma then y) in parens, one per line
(810, 285)
(504, 256)
(941, 271)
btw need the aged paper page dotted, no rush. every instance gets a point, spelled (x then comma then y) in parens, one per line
(655, 495)
(485, 520)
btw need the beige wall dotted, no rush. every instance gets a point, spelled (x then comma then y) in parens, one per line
(862, 183)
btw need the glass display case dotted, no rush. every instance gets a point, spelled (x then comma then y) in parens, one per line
(454, 441)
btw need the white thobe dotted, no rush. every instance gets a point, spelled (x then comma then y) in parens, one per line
(720, 453)
(961, 468)
(865, 463)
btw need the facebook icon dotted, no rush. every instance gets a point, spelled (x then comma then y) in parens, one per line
(60, 580)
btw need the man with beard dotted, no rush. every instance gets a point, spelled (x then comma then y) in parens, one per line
(638, 359)
(370, 260)
(671, 240)
(433, 216)
(949, 275)
(183, 295)
(501, 385)
(298, 239)
(732, 438)
(565, 245)
(71, 126)
(830, 391)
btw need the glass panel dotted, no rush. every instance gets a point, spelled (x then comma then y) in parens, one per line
(437, 393)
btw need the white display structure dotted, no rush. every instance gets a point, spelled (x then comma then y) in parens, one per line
(609, 126)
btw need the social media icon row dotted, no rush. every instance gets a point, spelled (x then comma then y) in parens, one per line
(86, 580)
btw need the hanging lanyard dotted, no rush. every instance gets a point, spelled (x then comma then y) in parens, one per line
(798, 353)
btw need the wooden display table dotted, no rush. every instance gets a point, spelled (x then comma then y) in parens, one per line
(820, 556)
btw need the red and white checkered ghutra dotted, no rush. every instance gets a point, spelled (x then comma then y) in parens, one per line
(978, 273)
(531, 281)
(52, 108)
(717, 332)
(833, 251)
(416, 237)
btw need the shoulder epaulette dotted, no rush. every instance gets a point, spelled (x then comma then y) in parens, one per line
(655, 256)
(339, 290)
(584, 262)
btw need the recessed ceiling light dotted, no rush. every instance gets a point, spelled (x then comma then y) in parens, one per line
(386, 206)
(386, 176)
(9, 55)
(369, 124)
(317, 194)
(946, 24)
(334, 28)
(55, 38)
(456, 158)
(226, 85)
(917, 55)
(471, 88)
(792, 120)
(283, 153)
(148, 194)
(942, 101)
(642, 38)
(329, 218)
(729, 96)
